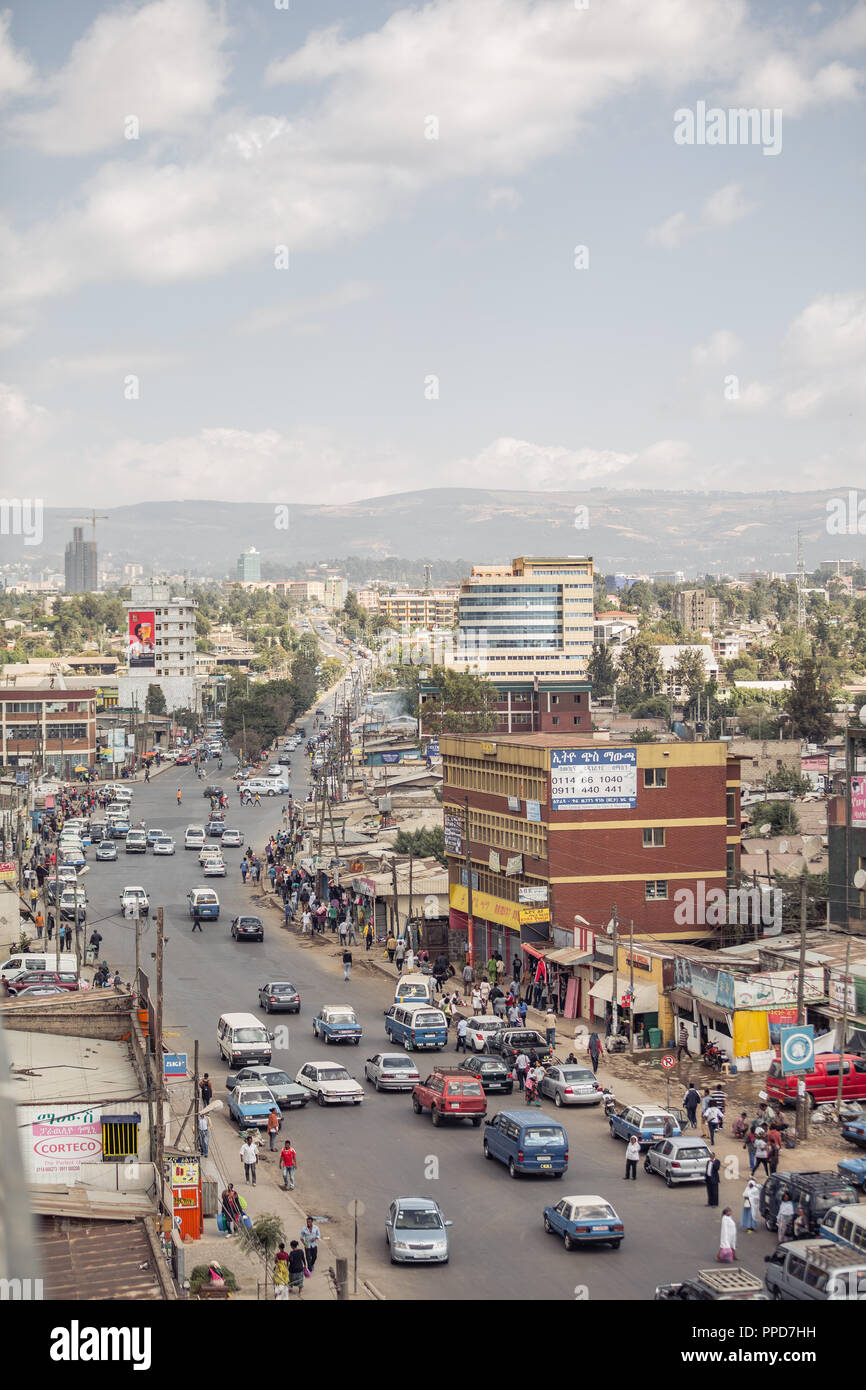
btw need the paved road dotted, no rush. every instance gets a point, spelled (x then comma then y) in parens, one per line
(381, 1149)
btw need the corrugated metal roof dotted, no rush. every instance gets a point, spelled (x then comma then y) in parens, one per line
(82, 1260)
(59, 1069)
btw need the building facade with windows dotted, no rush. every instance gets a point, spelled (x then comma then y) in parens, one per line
(80, 564)
(168, 658)
(562, 826)
(695, 609)
(48, 728)
(532, 617)
(249, 566)
(420, 607)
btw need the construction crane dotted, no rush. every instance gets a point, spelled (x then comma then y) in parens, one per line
(92, 518)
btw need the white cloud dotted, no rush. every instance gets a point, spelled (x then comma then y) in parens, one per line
(305, 315)
(520, 463)
(504, 197)
(782, 82)
(20, 419)
(114, 363)
(824, 355)
(160, 63)
(671, 233)
(16, 71)
(725, 206)
(719, 349)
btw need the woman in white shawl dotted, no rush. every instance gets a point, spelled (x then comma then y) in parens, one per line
(751, 1206)
(727, 1238)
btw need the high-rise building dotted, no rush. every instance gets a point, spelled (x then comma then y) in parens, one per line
(250, 565)
(532, 617)
(421, 607)
(695, 609)
(160, 648)
(80, 564)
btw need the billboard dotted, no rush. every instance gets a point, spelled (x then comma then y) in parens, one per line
(858, 801)
(586, 777)
(140, 650)
(56, 1145)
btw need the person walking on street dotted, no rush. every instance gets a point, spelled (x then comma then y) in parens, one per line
(288, 1163)
(785, 1217)
(714, 1119)
(297, 1268)
(632, 1154)
(206, 1090)
(462, 1030)
(310, 1237)
(282, 1274)
(390, 947)
(203, 1135)
(399, 954)
(594, 1051)
(727, 1238)
(682, 1042)
(347, 963)
(468, 977)
(706, 1102)
(231, 1208)
(711, 1179)
(550, 1028)
(521, 1067)
(751, 1206)
(273, 1126)
(762, 1153)
(250, 1158)
(368, 936)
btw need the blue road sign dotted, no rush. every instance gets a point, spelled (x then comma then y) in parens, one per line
(797, 1047)
(174, 1063)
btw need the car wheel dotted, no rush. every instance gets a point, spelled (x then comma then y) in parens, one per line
(435, 1116)
(327, 1038)
(375, 1083)
(512, 1171)
(321, 1098)
(567, 1241)
(647, 1166)
(669, 1180)
(488, 1154)
(476, 1120)
(777, 1295)
(615, 1244)
(547, 1226)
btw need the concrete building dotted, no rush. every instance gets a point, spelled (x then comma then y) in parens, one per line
(695, 609)
(161, 649)
(335, 591)
(368, 599)
(249, 565)
(532, 617)
(80, 564)
(307, 591)
(669, 655)
(420, 607)
(48, 727)
(540, 705)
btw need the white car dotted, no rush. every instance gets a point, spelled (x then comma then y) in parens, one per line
(164, 845)
(276, 770)
(207, 852)
(391, 1071)
(214, 866)
(265, 786)
(194, 837)
(121, 794)
(134, 900)
(480, 1029)
(330, 1083)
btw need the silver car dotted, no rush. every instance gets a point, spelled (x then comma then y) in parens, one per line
(164, 845)
(571, 1085)
(416, 1232)
(391, 1071)
(679, 1159)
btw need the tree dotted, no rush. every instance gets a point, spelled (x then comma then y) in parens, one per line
(155, 700)
(601, 670)
(690, 671)
(423, 843)
(640, 666)
(785, 779)
(463, 704)
(779, 815)
(809, 704)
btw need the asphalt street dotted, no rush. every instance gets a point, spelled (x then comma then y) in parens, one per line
(381, 1149)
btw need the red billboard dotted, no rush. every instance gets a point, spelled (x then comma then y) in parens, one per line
(140, 650)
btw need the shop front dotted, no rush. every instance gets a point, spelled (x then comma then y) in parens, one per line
(642, 1005)
(498, 925)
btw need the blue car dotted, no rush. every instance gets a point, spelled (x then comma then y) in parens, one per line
(118, 829)
(337, 1023)
(250, 1103)
(854, 1169)
(855, 1132)
(154, 834)
(646, 1122)
(587, 1220)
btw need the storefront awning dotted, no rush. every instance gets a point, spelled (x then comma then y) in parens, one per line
(569, 955)
(646, 997)
(713, 1011)
(535, 951)
(681, 999)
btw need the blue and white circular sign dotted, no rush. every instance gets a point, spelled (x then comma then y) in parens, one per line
(798, 1048)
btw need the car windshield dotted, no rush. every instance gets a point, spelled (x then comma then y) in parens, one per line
(164, 840)
(486, 1025)
(403, 1062)
(251, 1035)
(467, 1088)
(418, 1221)
(107, 844)
(283, 989)
(651, 1121)
(598, 1211)
(250, 1097)
(278, 1078)
(544, 1135)
(206, 897)
(692, 1151)
(491, 1066)
(576, 1074)
(412, 991)
(333, 1074)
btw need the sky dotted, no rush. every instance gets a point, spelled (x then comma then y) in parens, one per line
(307, 250)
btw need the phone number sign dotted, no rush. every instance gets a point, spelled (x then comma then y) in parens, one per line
(581, 777)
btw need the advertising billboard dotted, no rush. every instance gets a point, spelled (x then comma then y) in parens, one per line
(585, 777)
(140, 650)
(858, 801)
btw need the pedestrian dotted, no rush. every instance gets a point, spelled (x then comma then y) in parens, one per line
(273, 1127)
(475, 1000)
(288, 1163)
(206, 1090)
(310, 1237)
(231, 1208)
(94, 944)
(39, 923)
(297, 1268)
(749, 1145)
(49, 928)
(282, 1274)
(343, 928)
(521, 1067)
(250, 1158)
(714, 1119)
(550, 1027)
(491, 970)
(711, 1179)
(347, 963)
(774, 1140)
(594, 1050)
(632, 1154)
(306, 922)
(751, 1206)
(391, 946)
(462, 1030)
(706, 1102)
(468, 977)
(682, 1042)
(399, 954)
(203, 1135)
(785, 1217)
(762, 1153)
(740, 1126)
(368, 936)
(727, 1238)
(523, 1010)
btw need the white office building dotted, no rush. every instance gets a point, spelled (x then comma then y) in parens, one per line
(532, 617)
(161, 650)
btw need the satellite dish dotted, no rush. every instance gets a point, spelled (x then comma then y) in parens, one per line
(860, 879)
(765, 828)
(783, 846)
(609, 927)
(862, 715)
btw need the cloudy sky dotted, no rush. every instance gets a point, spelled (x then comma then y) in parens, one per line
(341, 249)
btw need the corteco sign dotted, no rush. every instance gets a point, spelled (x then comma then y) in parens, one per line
(58, 1142)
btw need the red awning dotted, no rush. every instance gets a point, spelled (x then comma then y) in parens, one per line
(532, 951)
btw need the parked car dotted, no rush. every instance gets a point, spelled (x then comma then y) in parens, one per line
(713, 1286)
(289, 1095)
(330, 1083)
(855, 1132)
(391, 1071)
(29, 990)
(65, 980)
(118, 828)
(510, 1042)
(816, 1192)
(164, 845)
(73, 905)
(106, 849)
(248, 929)
(853, 1171)
(416, 1232)
(526, 1144)
(822, 1084)
(491, 1072)
(678, 1160)
(280, 996)
(570, 1085)
(815, 1271)
(584, 1220)
(450, 1095)
(337, 1023)
(134, 900)
(203, 904)
(232, 839)
(250, 1103)
(480, 1028)
(72, 852)
(647, 1122)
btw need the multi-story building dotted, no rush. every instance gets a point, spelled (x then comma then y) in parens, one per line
(43, 728)
(368, 599)
(80, 564)
(555, 828)
(249, 565)
(695, 609)
(670, 654)
(532, 617)
(540, 705)
(161, 648)
(307, 591)
(335, 591)
(420, 607)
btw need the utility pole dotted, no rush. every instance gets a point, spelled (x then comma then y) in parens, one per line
(802, 1103)
(614, 1020)
(470, 923)
(411, 864)
(631, 985)
(841, 1048)
(396, 899)
(196, 1137)
(160, 1084)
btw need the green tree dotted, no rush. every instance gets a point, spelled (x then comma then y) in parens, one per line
(779, 815)
(423, 843)
(809, 704)
(640, 666)
(690, 671)
(601, 670)
(155, 700)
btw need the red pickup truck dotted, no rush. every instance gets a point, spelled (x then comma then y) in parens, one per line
(450, 1095)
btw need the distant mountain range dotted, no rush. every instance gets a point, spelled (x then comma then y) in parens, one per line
(640, 530)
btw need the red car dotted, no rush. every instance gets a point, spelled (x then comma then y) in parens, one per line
(182, 760)
(62, 979)
(822, 1084)
(451, 1095)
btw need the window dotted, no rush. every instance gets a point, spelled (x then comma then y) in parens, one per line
(555, 720)
(120, 1136)
(655, 889)
(655, 776)
(653, 837)
(731, 807)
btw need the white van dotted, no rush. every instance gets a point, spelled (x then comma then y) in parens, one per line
(244, 1040)
(23, 963)
(414, 989)
(846, 1225)
(815, 1270)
